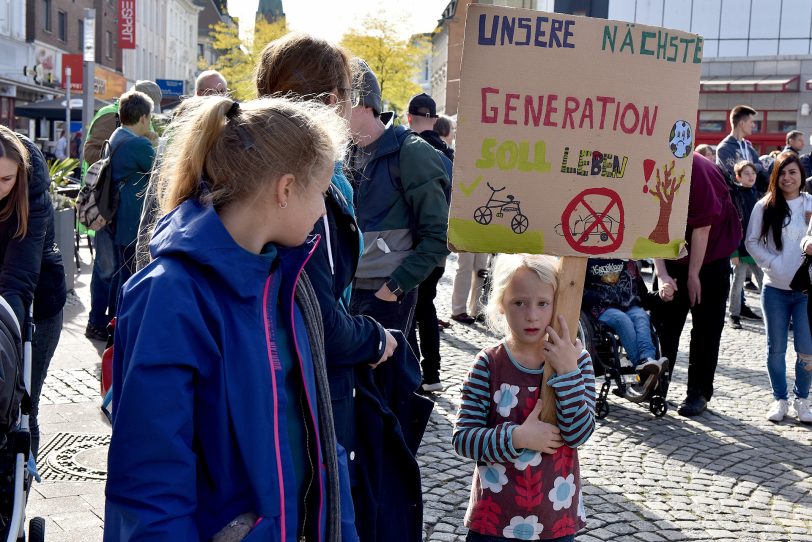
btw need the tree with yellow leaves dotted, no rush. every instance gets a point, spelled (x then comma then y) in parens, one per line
(238, 57)
(393, 60)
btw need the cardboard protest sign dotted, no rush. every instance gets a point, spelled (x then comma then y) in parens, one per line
(575, 135)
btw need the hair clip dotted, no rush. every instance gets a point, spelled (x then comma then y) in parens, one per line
(233, 111)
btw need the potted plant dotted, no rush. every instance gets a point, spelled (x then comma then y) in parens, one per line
(64, 213)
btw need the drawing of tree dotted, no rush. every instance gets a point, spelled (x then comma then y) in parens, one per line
(664, 191)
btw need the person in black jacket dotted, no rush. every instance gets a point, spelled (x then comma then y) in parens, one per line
(421, 116)
(745, 196)
(30, 263)
(312, 68)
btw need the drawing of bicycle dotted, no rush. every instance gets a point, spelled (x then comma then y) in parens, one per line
(484, 213)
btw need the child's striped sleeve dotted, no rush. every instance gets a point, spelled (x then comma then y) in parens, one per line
(575, 402)
(472, 437)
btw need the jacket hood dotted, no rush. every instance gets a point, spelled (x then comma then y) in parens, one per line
(434, 139)
(195, 232)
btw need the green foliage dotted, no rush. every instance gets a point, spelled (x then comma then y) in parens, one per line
(238, 57)
(60, 171)
(395, 62)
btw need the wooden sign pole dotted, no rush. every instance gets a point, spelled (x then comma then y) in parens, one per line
(568, 295)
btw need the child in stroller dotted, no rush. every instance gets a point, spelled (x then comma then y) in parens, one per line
(613, 315)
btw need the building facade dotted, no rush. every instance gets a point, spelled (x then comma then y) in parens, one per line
(166, 42)
(17, 83)
(755, 52)
(213, 12)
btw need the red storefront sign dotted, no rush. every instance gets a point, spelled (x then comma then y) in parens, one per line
(74, 62)
(126, 24)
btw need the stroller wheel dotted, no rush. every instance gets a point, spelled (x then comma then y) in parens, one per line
(658, 406)
(36, 530)
(601, 409)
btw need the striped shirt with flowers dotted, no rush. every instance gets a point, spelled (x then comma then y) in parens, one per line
(522, 494)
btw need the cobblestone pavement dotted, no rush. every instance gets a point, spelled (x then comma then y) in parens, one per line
(726, 475)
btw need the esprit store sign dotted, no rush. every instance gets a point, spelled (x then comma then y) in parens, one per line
(126, 24)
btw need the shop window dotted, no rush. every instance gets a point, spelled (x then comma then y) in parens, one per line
(781, 122)
(712, 121)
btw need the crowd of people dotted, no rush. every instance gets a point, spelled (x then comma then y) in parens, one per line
(273, 267)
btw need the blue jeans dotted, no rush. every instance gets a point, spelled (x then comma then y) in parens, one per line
(778, 307)
(634, 328)
(476, 537)
(46, 337)
(102, 306)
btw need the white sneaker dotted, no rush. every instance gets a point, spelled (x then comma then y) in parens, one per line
(653, 366)
(801, 407)
(434, 386)
(779, 410)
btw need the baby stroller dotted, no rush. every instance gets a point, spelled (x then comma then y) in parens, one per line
(15, 438)
(604, 346)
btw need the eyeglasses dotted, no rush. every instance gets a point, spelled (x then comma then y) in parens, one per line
(354, 95)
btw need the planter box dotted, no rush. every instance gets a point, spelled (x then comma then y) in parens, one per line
(65, 239)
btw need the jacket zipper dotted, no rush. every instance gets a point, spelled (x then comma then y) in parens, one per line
(304, 386)
(310, 463)
(277, 447)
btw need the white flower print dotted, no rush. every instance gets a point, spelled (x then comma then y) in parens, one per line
(562, 493)
(521, 528)
(506, 397)
(528, 458)
(492, 476)
(581, 510)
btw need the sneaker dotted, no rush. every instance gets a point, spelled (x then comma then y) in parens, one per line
(432, 387)
(652, 366)
(96, 333)
(463, 318)
(801, 407)
(735, 322)
(748, 314)
(779, 410)
(693, 406)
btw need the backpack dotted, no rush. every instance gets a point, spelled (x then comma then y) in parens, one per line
(97, 201)
(12, 388)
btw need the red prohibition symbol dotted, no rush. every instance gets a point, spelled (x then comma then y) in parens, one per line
(596, 221)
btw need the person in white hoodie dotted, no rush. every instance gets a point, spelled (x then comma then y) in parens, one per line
(777, 226)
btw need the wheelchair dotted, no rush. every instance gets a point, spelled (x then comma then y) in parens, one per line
(605, 348)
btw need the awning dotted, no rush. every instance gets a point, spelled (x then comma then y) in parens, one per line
(771, 83)
(55, 109)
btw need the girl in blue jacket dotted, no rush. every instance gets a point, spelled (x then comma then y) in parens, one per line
(222, 427)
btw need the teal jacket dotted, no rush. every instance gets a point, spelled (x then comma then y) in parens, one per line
(402, 211)
(131, 165)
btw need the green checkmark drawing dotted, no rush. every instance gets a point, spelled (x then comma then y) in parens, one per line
(469, 189)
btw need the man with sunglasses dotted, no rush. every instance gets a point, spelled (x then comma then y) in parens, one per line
(402, 210)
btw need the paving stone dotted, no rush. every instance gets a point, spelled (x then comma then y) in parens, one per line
(725, 475)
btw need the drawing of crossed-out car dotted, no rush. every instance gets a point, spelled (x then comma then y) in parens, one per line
(584, 223)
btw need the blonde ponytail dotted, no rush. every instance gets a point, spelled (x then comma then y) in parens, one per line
(236, 148)
(191, 141)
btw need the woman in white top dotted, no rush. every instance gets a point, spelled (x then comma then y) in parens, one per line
(777, 225)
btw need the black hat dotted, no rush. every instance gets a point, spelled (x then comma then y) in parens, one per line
(365, 81)
(423, 105)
